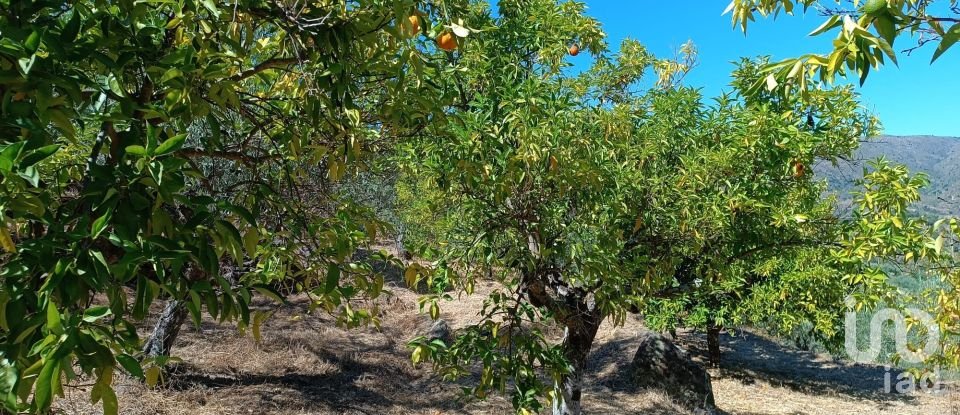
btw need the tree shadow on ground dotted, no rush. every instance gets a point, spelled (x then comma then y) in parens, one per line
(749, 358)
(356, 372)
(354, 387)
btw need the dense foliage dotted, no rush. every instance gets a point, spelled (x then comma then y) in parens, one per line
(187, 149)
(592, 195)
(208, 152)
(866, 34)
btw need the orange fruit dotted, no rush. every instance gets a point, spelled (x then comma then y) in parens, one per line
(798, 169)
(414, 24)
(574, 49)
(447, 42)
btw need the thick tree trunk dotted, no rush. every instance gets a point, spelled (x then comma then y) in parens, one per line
(579, 335)
(713, 345)
(166, 330)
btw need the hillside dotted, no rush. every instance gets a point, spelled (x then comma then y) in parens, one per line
(938, 157)
(306, 365)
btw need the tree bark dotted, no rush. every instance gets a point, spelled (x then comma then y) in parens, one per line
(166, 330)
(713, 345)
(579, 334)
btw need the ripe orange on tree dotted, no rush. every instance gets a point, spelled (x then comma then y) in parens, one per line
(574, 49)
(798, 169)
(414, 24)
(447, 42)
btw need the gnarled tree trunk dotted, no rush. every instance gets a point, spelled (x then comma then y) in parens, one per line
(580, 331)
(166, 330)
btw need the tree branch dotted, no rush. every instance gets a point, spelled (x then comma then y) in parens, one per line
(246, 159)
(267, 64)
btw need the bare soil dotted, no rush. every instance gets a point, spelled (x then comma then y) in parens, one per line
(306, 365)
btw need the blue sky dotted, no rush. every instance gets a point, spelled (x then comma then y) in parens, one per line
(915, 98)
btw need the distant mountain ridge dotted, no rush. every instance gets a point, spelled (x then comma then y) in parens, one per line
(938, 157)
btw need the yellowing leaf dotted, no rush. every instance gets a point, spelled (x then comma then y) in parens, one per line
(258, 318)
(771, 82)
(417, 354)
(410, 274)
(152, 376)
(434, 310)
(6, 242)
(250, 240)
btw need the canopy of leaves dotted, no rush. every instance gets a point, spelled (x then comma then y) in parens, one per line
(865, 34)
(587, 196)
(188, 149)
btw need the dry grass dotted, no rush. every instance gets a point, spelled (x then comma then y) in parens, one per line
(305, 365)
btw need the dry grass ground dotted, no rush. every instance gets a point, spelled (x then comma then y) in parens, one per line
(305, 365)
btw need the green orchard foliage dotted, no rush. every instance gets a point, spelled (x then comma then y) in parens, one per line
(586, 198)
(766, 256)
(865, 34)
(865, 38)
(188, 149)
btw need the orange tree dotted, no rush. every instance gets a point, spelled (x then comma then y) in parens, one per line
(865, 36)
(187, 149)
(583, 195)
(776, 252)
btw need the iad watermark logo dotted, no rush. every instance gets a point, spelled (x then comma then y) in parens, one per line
(904, 382)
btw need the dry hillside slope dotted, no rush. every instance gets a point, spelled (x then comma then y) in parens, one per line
(304, 365)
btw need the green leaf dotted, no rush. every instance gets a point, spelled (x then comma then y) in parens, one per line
(170, 145)
(38, 155)
(333, 278)
(61, 120)
(110, 404)
(212, 7)
(71, 29)
(43, 392)
(887, 49)
(232, 241)
(54, 324)
(832, 22)
(100, 224)
(136, 150)
(949, 39)
(9, 155)
(131, 365)
(32, 43)
(171, 74)
(96, 313)
(241, 212)
(31, 175)
(886, 27)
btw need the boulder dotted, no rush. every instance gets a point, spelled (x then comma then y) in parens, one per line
(660, 364)
(439, 330)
